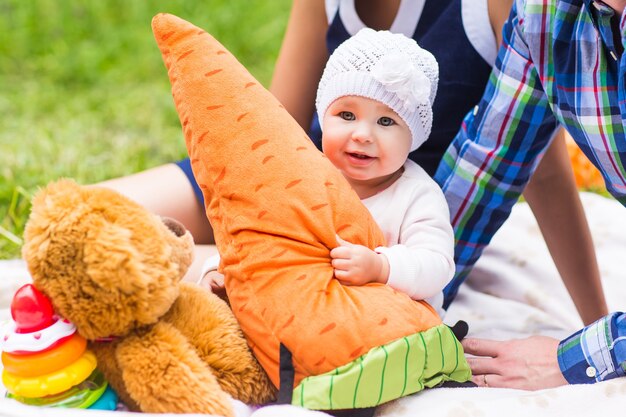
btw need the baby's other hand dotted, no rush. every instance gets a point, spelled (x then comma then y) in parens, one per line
(358, 264)
(215, 282)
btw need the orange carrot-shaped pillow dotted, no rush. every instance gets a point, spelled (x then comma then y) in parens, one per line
(276, 204)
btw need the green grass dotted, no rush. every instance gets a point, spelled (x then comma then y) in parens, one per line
(84, 93)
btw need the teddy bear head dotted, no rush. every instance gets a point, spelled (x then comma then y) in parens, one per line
(106, 263)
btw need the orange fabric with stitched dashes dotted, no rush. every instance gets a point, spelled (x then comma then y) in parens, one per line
(275, 203)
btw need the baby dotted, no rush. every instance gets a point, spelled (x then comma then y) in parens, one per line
(277, 204)
(375, 103)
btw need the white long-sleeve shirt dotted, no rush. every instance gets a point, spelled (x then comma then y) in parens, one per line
(414, 217)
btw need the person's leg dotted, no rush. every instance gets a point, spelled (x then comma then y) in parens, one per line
(167, 191)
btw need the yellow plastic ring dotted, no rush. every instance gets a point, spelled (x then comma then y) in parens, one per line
(45, 362)
(52, 383)
(83, 395)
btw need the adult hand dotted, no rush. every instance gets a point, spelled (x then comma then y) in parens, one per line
(357, 264)
(529, 364)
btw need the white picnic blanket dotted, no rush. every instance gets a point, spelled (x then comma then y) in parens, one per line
(514, 291)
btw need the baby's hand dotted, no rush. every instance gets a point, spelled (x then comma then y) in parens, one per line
(358, 265)
(215, 282)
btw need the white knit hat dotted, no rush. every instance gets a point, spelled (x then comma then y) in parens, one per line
(386, 67)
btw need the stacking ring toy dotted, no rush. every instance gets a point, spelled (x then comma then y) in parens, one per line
(45, 362)
(107, 401)
(37, 341)
(83, 395)
(52, 383)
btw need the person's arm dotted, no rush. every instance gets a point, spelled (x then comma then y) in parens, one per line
(498, 13)
(561, 217)
(529, 364)
(596, 353)
(422, 263)
(492, 157)
(301, 60)
(555, 202)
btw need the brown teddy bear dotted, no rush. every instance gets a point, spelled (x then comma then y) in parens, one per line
(114, 270)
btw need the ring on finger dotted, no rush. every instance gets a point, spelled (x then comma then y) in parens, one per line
(485, 381)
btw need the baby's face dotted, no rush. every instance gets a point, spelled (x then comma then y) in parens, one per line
(364, 138)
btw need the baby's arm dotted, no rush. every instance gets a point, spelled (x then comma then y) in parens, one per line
(422, 262)
(358, 265)
(353, 264)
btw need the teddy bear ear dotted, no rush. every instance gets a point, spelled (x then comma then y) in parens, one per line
(112, 261)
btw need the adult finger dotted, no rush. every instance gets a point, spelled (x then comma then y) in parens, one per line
(484, 365)
(489, 380)
(482, 347)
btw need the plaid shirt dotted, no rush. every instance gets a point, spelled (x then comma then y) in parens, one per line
(557, 65)
(595, 353)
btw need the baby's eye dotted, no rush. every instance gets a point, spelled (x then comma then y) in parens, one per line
(347, 115)
(386, 121)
